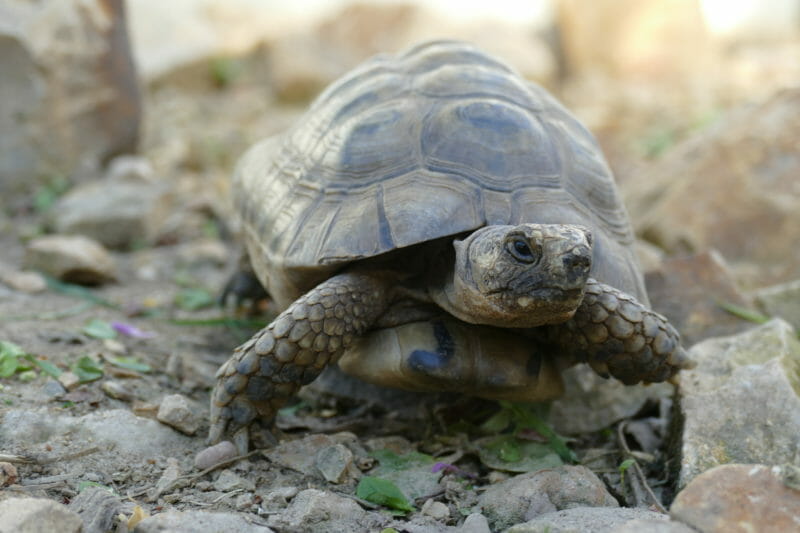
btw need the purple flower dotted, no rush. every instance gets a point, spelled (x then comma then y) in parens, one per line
(132, 331)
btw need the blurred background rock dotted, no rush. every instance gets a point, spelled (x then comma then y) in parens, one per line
(696, 102)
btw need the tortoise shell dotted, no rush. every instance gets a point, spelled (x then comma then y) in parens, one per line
(407, 149)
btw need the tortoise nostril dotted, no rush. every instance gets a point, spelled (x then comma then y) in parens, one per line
(577, 262)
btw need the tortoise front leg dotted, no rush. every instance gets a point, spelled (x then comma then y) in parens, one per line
(617, 335)
(268, 369)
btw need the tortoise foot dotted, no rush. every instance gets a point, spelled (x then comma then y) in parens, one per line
(618, 336)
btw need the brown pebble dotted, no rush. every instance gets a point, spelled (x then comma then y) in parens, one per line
(216, 454)
(8, 474)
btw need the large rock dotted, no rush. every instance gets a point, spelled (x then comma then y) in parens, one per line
(689, 290)
(69, 88)
(741, 498)
(733, 187)
(526, 496)
(741, 403)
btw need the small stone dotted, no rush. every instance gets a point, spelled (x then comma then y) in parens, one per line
(118, 213)
(144, 409)
(279, 497)
(436, 510)
(212, 455)
(334, 463)
(21, 280)
(243, 501)
(229, 480)
(8, 474)
(316, 510)
(98, 508)
(168, 477)
(114, 346)
(204, 251)
(71, 258)
(739, 497)
(53, 388)
(475, 523)
(175, 411)
(300, 454)
(69, 381)
(130, 167)
(30, 515)
(527, 495)
(116, 390)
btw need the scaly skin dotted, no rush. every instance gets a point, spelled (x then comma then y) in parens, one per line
(618, 336)
(611, 331)
(313, 332)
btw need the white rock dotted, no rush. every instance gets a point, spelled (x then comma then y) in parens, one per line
(435, 509)
(176, 411)
(741, 403)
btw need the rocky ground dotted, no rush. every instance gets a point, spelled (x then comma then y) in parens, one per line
(110, 335)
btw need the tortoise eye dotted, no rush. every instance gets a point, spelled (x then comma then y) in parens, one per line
(521, 250)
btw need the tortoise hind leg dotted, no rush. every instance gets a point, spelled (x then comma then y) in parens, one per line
(267, 370)
(617, 335)
(243, 285)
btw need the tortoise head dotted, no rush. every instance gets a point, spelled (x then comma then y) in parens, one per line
(518, 276)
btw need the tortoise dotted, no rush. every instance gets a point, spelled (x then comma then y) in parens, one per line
(435, 222)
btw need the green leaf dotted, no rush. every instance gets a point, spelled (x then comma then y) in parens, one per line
(382, 492)
(625, 465)
(99, 329)
(130, 363)
(83, 485)
(391, 462)
(743, 312)
(524, 416)
(46, 366)
(87, 369)
(510, 454)
(508, 450)
(10, 355)
(77, 291)
(193, 299)
(497, 422)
